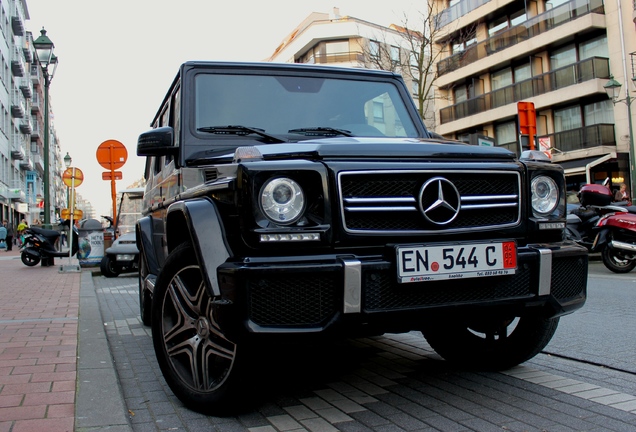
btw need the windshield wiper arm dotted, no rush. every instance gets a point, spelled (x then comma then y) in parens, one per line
(240, 130)
(322, 131)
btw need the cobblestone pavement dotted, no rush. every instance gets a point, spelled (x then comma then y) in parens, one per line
(388, 383)
(39, 309)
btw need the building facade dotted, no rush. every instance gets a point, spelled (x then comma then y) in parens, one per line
(557, 54)
(337, 40)
(22, 124)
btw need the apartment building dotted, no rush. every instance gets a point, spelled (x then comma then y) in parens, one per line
(557, 54)
(22, 123)
(339, 40)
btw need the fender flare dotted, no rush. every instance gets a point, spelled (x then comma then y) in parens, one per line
(144, 235)
(199, 222)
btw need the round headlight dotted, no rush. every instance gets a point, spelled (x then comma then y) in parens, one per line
(282, 200)
(545, 195)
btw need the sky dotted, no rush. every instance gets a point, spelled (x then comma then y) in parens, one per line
(117, 59)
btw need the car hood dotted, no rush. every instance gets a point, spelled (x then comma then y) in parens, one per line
(350, 147)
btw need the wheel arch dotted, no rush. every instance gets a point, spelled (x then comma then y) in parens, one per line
(144, 235)
(199, 222)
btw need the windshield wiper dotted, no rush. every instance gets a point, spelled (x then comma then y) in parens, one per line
(240, 130)
(321, 131)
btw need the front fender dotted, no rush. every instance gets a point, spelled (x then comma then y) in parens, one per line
(199, 221)
(601, 240)
(144, 232)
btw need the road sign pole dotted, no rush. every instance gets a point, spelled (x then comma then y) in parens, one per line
(113, 189)
(70, 228)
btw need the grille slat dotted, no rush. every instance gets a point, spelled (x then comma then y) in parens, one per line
(489, 200)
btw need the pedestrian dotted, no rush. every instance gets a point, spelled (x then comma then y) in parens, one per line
(3, 237)
(21, 227)
(621, 194)
(9, 228)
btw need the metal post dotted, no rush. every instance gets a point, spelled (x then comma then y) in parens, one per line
(70, 228)
(632, 168)
(47, 191)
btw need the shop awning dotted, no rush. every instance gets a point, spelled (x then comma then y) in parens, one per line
(583, 165)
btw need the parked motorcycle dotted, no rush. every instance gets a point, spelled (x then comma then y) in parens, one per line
(40, 245)
(611, 227)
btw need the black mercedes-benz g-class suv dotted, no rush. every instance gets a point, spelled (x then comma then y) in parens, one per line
(288, 201)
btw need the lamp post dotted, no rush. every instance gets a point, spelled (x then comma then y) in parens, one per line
(67, 164)
(613, 90)
(44, 49)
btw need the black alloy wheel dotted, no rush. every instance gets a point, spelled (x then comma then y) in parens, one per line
(202, 367)
(492, 343)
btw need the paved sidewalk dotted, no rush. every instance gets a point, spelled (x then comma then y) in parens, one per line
(52, 378)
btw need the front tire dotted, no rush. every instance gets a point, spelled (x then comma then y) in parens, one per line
(491, 344)
(616, 262)
(200, 364)
(29, 260)
(108, 267)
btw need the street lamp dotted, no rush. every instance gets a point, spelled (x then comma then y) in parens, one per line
(613, 90)
(67, 164)
(44, 49)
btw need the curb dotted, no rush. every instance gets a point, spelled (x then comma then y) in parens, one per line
(99, 403)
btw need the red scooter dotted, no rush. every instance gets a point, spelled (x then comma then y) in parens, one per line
(615, 231)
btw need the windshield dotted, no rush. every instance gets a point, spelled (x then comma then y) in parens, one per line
(300, 106)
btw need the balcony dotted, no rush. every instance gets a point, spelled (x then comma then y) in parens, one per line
(18, 67)
(17, 109)
(533, 27)
(456, 11)
(38, 162)
(17, 192)
(586, 70)
(35, 104)
(36, 74)
(25, 126)
(25, 87)
(583, 138)
(17, 25)
(343, 57)
(17, 152)
(35, 132)
(26, 164)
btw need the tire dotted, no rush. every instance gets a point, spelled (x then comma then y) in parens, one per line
(616, 261)
(145, 301)
(108, 267)
(29, 260)
(202, 367)
(491, 344)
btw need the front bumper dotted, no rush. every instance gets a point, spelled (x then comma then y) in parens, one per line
(321, 293)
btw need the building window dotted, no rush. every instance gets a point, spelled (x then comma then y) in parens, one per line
(505, 22)
(460, 94)
(374, 49)
(395, 55)
(599, 113)
(596, 47)
(505, 133)
(563, 57)
(567, 119)
(500, 79)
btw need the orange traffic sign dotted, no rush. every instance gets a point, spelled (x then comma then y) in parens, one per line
(107, 175)
(66, 214)
(112, 155)
(73, 177)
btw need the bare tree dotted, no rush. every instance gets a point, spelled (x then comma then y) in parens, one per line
(418, 58)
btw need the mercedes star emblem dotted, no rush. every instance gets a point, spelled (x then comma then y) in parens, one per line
(439, 201)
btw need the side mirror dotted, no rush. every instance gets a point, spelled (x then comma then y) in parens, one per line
(157, 142)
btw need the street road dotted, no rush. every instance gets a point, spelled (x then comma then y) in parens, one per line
(585, 380)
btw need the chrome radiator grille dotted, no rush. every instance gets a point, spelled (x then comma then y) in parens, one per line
(428, 201)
